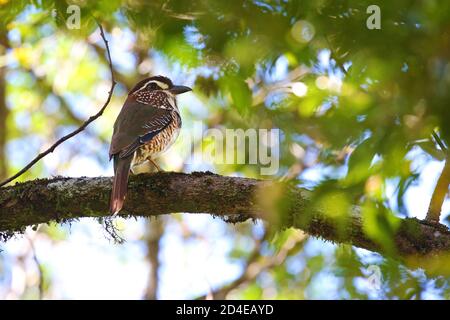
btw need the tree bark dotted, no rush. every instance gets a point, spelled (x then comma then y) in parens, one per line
(235, 199)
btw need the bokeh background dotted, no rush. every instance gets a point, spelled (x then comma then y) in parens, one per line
(356, 109)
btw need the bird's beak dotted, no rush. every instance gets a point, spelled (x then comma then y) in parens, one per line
(179, 89)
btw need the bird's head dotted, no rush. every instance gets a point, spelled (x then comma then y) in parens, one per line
(158, 83)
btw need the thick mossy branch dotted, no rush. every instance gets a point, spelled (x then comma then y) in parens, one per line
(62, 199)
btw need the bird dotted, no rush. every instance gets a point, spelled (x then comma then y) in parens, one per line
(147, 125)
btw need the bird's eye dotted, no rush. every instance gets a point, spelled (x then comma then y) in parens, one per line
(151, 86)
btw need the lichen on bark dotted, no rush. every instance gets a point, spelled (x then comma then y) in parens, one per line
(281, 205)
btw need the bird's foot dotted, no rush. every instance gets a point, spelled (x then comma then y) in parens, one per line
(155, 164)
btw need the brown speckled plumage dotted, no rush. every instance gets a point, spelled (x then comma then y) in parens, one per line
(147, 125)
(160, 143)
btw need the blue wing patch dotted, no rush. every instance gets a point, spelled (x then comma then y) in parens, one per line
(154, 127)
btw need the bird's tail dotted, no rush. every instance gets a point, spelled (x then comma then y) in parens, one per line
(120, 183)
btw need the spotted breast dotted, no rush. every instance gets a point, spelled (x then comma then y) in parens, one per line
(160, 143)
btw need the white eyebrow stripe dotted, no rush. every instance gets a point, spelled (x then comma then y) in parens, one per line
(160, 84)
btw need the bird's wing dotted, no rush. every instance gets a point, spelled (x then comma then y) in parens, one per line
(136, 125)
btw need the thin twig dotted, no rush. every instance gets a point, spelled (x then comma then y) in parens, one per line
(439, 141)
(43, 85)
(81, 128)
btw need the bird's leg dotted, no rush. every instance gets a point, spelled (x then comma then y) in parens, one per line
(154, 163)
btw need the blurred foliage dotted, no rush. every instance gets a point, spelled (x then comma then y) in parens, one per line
(358, 106)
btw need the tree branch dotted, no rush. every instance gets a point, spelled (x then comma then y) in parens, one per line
(439, 193)
(77, 131)
(64, 199)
